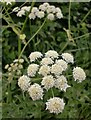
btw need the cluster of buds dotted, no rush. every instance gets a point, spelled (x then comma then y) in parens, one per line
(50, 68)
(14, 69)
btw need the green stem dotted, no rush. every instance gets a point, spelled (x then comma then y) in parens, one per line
(23, 27)
(19, 46)
(17, 32)
(23, 95)
(66, 44)
(86, 16)
(9, 16)
(9, 94)
(32, 38)
(69, 15)
(82, 36)
(52, 92)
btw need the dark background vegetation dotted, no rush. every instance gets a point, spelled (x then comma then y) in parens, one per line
(52, 36)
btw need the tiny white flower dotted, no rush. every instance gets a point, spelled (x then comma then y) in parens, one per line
(52, 54)
(48, 82)
(9, 69)
(6, 66)
(21, 60)
(58, 9)
(16, 9)
(32, 69)
(35, 92)
(55, 105)
(45, 4)
(32, 16)
(61, 83)
(79, 74)
(62, 63)
(40, 14)
(68, 57)
(35, 55)
(59, 15)
(56, 69)
(46, 61)
(51, 9)
(24, 82)
(20, 13)
(20, 66)
(50, 16)
(26, 8)
(12, 64)
(35, 10)
(18, 72)
(44, 70)
(15, 61)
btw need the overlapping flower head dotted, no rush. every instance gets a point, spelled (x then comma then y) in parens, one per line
(51, 68)
(44, 10)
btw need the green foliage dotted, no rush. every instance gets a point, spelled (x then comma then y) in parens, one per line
(15, 104)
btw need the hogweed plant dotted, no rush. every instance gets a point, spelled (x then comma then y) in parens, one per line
(50, 71)
(47, 73)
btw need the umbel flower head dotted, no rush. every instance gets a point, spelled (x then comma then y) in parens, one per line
(32, 69)
(24, 82)
(35, 55)
(61, 83)
(68, 57)
(44, 70)
(36, 92)
(79, 74)
(62, 63)
(56, 69)
(48, 82)
(50, 70)
(55, 105)
(46, 61)
(51, 54)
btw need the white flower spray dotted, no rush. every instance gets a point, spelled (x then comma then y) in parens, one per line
(50, 69)
(44, 10)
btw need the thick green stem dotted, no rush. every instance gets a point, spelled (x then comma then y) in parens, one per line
(31, 38)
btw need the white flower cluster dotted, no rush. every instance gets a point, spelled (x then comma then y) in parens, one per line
(35, 92)
(79, 74)
(24, 82)
(7, 1)
(50, 68)
(48, 82)
(55, 105)
(61, 83)
(35, 55)
(21, 11)
(44, 10)
(32, 69)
